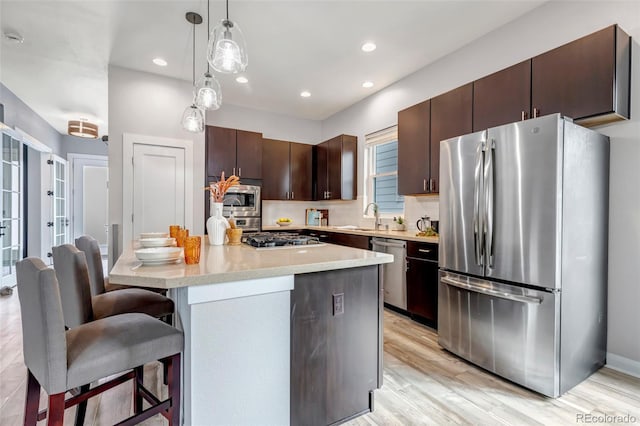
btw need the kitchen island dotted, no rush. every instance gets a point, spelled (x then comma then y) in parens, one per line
(282, 336)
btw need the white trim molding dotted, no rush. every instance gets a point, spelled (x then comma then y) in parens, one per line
(623, 365)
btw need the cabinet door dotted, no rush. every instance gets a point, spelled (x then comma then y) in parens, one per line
(301, 171)
(422, 290)
(221, 151)
(451, 115)
(334, 168)
(321, 164)
(578, 79)
(249, 154)
(413, 149)
(275, 177)
(503, 97)
(348, 167)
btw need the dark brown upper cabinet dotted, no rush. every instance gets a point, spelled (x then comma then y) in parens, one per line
(587, 79)
(502, 97)
(451, 115)
(234, 151)
(289, 171)
(336, 163)
(413, 149)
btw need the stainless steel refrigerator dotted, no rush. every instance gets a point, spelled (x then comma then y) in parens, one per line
(523, 251)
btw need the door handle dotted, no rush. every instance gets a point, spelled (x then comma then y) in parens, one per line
(488, 202)
(49, 224)
(490, 292)
(477, 219)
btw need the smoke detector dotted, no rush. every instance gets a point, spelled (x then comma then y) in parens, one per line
(13, 38)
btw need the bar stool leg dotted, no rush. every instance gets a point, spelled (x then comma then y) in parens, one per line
(32, 400)
(174, 389)
(55, 414)
(81, 410)
(138, 381)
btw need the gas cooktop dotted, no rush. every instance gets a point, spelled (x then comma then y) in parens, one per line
(264, 240)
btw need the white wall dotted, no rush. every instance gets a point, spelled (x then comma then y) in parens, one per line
(272, 126)
(546, 27)
(149, 104)
(78, 145)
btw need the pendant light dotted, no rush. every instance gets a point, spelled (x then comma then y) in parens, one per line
(193, 117)
(208, 92)
(227, 52)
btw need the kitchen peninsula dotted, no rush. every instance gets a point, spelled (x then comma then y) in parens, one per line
(284, 336)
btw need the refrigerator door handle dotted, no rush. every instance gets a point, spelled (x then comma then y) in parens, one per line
(477, 225)
(488, 201)
(492, 293)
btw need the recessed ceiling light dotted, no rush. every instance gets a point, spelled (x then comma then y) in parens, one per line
(305, 94)
(367, 84)
(242, 80)
(368, 47)
(160, 62)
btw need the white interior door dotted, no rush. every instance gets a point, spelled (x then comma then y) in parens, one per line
(11, 205)
(90, 197)
(158, 188)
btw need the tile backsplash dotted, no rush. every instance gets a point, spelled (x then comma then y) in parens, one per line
(347, 212)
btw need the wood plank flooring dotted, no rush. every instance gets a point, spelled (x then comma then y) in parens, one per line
(423, 385)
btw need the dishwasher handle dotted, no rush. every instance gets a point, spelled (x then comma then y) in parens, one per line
(489, 292)
(380, 243)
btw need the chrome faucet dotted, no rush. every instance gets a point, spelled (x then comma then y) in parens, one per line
(376, 214)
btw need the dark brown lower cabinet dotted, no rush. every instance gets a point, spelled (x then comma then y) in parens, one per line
(336, 345)
(422, 282)
(349, 240)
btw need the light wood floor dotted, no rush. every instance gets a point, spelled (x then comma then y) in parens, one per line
(423, 385)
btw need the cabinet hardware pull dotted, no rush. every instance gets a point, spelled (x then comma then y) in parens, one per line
(239, 171)
(424, 185)
(523, 116)
(424, 250)
(234, 171)
(536, 112)
(293, 197)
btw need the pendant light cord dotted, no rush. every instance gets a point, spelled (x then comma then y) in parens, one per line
(208, 32)
(227, 10)
(193, 68)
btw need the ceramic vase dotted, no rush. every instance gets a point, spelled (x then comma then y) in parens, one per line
(217, 225)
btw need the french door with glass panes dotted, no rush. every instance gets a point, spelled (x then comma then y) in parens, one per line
(12, 210)
(60, 196)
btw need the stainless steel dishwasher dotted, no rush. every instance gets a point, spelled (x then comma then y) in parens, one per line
(394, 279)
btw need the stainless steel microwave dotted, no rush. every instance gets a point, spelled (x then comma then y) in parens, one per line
(242, 201)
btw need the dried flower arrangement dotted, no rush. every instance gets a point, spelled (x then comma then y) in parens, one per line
(218, 189)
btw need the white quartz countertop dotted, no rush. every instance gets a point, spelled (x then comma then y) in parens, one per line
(220, 264)
(398, 235)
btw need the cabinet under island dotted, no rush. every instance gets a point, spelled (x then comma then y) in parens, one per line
(285, 336)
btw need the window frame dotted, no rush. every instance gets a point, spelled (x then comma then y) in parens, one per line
(372, 140)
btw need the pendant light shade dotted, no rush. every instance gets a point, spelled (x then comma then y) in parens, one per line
(227, 52)
(193, 119)
(208, 93)
(82, 128)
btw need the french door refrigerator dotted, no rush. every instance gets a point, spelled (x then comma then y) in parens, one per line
(523, 251)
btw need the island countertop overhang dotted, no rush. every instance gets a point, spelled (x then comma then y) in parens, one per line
(221, 264)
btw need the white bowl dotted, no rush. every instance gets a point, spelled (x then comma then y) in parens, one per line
(158, 253)
(157, 242)
(145, 235)
(284, 223)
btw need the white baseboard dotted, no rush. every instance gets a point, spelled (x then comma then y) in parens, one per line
(624, 365)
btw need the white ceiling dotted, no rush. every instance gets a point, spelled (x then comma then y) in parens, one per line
(61, 69)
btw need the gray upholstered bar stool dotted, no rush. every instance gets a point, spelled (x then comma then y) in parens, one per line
(99, 282)
(59, 360)
(71, 266)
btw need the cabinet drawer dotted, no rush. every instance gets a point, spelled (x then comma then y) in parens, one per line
(427, 251)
